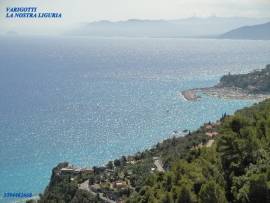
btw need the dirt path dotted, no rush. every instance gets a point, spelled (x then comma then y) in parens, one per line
(85, 186)
(210, 143)
(159, 166)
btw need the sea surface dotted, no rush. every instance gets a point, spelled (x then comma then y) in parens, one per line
(88, 100)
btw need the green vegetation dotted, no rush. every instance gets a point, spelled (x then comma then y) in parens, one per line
(235, 169)
(62, 189)
(226, 161)
(254, 82)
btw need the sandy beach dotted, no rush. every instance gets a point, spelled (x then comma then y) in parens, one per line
(190, 95)
(224, 93)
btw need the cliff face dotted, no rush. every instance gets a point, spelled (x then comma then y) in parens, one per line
(226, 161)
(233, 166)
(63, 187)
(254, 82)
(123, 177)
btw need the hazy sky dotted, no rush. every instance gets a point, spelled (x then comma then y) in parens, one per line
(76, 11)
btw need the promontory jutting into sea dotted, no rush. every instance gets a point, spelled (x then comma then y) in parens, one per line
(135, 101)
(99, 101)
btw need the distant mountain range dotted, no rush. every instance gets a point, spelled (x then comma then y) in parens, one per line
(256, 32)
(189, 27)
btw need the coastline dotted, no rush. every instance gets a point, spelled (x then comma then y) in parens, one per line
(155, 159)
(152, 159)
(223, 93)
(190, 95)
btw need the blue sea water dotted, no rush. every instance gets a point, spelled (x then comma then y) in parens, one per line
(89, 100)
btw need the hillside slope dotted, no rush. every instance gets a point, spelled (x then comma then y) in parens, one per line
(255, 82)
(225, 161)
(255, 32)
(234, 167)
